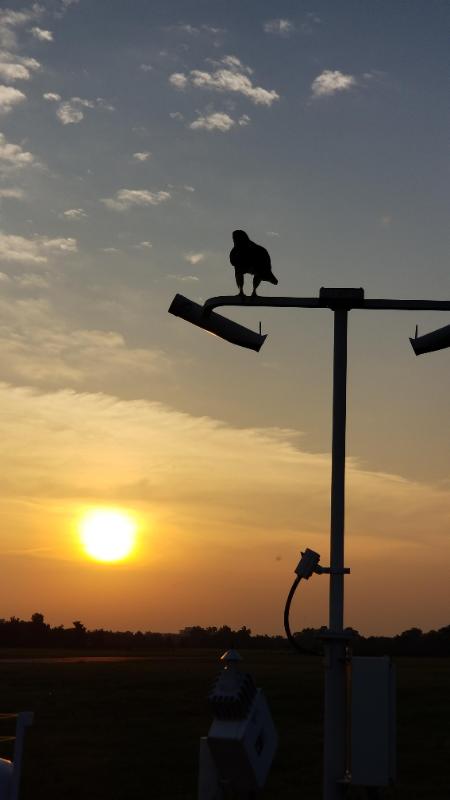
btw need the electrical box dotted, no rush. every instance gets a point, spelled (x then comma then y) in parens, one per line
(373, 721)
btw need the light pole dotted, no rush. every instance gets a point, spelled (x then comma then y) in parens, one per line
(340, 301)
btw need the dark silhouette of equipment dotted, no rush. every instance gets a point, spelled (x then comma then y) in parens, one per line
(250, 258)
(436, 340)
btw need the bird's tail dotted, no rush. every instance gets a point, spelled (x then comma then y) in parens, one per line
(272, 279)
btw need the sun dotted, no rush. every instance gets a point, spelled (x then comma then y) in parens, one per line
(107, 535)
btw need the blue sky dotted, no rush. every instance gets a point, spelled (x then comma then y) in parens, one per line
(136, 136)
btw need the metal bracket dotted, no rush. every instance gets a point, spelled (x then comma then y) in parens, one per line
(329, 571)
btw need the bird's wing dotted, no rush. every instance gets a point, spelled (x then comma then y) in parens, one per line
(261, 259)
(234, 257)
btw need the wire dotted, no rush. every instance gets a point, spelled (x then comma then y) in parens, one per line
(287, 608)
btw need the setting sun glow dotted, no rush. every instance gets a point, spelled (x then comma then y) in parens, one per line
(107, 535)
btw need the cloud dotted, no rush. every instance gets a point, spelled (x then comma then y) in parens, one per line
(178, 80)
(10, 97)
(46, 351)
(183, 278)
(75, 214)
(13, 72)
(144, 156)
(281, 27)
(10, 20)
(34, 250)
(194, 258)
(331, 81)
(52, 97)
(12, 156)
(272, 233)
(64, 7)
(211, 498)
(68, 114)
(42, 35)
(261, 484)
(12, 192)
(244, 120)
(14, 67)
(230, 78)
(188, 188)
(143, 246)
(128, 198)
(192, 30)
(70, 111)
(217, 121)
(146, 67)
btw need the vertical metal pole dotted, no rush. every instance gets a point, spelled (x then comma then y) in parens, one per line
(335, 644)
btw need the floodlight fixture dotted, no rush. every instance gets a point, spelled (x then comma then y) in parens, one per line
(216, 323)
(435, 340)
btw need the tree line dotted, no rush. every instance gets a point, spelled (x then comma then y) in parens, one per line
(37, 633)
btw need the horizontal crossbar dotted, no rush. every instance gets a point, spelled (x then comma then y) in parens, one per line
(319, 302)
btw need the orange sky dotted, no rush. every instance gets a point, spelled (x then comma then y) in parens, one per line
(129, 152)
(222, 512)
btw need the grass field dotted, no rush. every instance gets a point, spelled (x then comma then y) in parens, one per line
(130, 730)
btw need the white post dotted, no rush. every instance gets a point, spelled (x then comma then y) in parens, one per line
(335, 723)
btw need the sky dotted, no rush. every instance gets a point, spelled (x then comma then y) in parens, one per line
(134, 138)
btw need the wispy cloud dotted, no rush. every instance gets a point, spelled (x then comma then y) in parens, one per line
(232, 77)
(217, 121)
(196, 30)
(11, 20)
(12, 192)
(9, 98)
(143, 156)
(12, 156)
(262, 482)
(71, 111)
(45, 351)
(129, 198)
(52, 97)
(281, 27)
(64, 6)
(331, 81)
(74, 214)
(183, 278)
(178, 80)
(34, 250)
(42, 35)
(194, 258)
(14, 67)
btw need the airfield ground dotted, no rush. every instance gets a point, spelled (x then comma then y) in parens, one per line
(129, 729)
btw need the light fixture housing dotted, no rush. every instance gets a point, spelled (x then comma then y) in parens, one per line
(215, 323)
(436, 340)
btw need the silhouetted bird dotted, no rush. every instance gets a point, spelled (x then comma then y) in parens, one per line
(248, 257)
